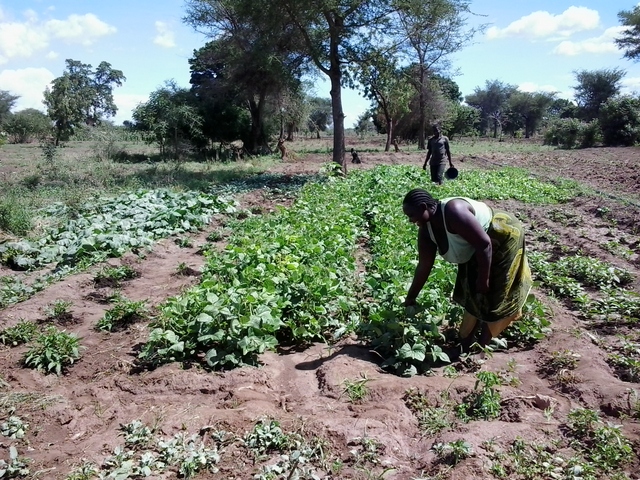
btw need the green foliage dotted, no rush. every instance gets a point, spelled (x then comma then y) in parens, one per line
(171, 118)
(267, 435)
(115, 275)
(24, 331)
(356, 390)
(532, 327)
(123, 313)
(620, 121)
(109, 227)
(571, 133)
(52, 351)
(14, 428)
(15, 214)
(16, 467)
(27, 125)
(452, 452)
(58, 310)
(594, 88)
(432, 419)
(81, 95)
(482, 403)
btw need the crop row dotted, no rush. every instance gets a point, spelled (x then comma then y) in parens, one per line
(105, 228)
(292, 277)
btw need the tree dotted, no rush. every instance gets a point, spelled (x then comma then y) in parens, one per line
(432, 30)
(492, 103)
(462, 120)
(26, 125)
(620, 121)
(7, 102)
(596, 87)
(253, 59)
(170, 117)
(629, 41)
(81, 96)
(386, 86)
(530, 108)
(319, 115)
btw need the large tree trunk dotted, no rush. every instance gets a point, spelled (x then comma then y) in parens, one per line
(390, 127)
(335, 74)
(422, 105)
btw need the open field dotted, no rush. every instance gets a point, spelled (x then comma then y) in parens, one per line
(277, 264)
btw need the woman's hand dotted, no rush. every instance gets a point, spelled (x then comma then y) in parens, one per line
(410, 302)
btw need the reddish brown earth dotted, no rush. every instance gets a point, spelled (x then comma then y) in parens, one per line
(76, 416)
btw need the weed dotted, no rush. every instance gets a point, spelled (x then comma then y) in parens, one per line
(452, 453)
(215, 236)
(59, 311)
(113, 276)
(15, 214)
(431, 419)
(123, 313)
(86, 471)
(184, 242)
(267, 435)
(14, 428)
(482, 403)
(17, 466)
(52, 351)
(368, 451)
(356, 390)
(24, 331)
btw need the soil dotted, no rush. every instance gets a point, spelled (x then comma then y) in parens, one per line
(76, 416)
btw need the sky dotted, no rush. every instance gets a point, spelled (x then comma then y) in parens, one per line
(536, 46)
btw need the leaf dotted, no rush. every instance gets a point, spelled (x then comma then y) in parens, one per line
(415, 352)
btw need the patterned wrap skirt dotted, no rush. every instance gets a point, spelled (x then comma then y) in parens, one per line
(509, 276)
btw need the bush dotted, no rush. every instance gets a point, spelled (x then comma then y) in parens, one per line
(620, 121)
(15, 215)
(571, 133)
(27, 125)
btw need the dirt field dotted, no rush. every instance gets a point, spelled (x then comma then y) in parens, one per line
(76, 417)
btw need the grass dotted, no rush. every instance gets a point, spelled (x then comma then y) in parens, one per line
(356, 390)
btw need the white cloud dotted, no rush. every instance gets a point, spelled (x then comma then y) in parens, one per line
(29, 84)
(543, 24)
(165, 37)
(534, 87)
(631, 85)
(84, 29)
(602, 44)
(21, 39)
(126, 102)
(52, 55)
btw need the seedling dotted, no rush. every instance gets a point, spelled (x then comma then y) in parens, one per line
(86, 471)
(136, 434)
(356, 390)
(215, 236)
(123, 313)
(267, 435)
(452, 453)
(113, 276)
(14, 428)
(184, 242)
(52, 351)
(369, 451)
(23, 332)
(482, 403)
(17, 466)
(58, 311)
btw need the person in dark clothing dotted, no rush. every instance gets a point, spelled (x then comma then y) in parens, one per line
(437, 149)
(354, 156)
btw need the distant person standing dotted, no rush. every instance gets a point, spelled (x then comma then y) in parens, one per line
(437, 148)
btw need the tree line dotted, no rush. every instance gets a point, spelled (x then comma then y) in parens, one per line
(250, 81)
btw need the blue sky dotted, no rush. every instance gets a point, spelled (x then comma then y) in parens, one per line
(536, 48)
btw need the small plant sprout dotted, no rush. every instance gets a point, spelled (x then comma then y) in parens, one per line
(356, 390)
(16, 467)
(24, 331)
(85, 471)
(136, 433)
(14, 427)
(184, 242)
(267, 435)
(52, 351)
(215, 236)
(452, 453)
(59, 310)
(113, 276)
(123, 313)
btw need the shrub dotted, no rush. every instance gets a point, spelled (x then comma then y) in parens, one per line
(15, 216)
(52, 351)
(620, 121)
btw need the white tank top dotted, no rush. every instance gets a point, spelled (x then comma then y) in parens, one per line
(461, 251)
